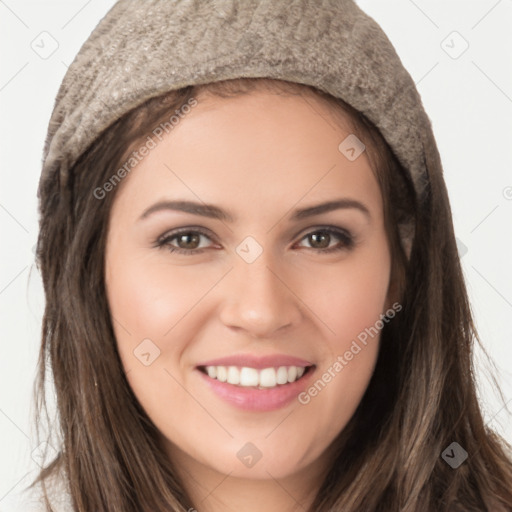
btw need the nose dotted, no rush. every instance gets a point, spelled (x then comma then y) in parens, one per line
(259, 299)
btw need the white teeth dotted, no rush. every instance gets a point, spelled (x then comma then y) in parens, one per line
(282, 375)
(268, 378)
(292, 374)
(233, 375)
(251, 377)
(222, 373)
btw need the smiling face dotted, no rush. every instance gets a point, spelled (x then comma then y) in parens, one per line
(262, 279)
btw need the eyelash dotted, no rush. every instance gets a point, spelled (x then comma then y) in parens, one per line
(347, 240)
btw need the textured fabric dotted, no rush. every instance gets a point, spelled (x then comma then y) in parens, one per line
(142, 49)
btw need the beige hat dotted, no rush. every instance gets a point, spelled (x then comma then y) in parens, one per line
(142, 49)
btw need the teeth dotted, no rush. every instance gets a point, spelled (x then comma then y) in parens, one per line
(251, 377)
(282, 375)
(233, 375)
(268, 378)
(222, 373)
(248, 377)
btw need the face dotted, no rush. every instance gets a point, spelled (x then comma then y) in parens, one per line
(246, 262)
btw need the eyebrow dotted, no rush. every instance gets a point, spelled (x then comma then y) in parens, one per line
(214, 212)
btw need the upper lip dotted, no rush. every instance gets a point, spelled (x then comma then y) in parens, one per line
(258, 362)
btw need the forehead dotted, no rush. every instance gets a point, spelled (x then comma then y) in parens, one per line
(255, 150)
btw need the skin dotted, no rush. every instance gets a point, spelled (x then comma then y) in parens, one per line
(260, 156)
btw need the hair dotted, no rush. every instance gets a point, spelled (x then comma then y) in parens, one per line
(420, 399)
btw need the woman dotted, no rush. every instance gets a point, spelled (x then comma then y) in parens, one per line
(254, 296)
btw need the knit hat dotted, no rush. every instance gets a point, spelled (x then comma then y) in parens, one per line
(142, 49)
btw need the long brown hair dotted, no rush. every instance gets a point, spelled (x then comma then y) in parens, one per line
(420, 399)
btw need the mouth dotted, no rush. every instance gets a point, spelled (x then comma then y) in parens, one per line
(256, 389)
(264, 378)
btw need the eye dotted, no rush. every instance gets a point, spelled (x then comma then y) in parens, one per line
(321, 239)
(187, 241)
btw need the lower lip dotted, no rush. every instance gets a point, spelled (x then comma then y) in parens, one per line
(252, 399)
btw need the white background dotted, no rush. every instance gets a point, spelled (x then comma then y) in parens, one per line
(468, 98)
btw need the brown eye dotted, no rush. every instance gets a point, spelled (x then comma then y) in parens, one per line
(185, 241)
(321, 240)
(188, 240)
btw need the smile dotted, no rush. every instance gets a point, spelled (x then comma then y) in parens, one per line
(247, 377)
(258, 385)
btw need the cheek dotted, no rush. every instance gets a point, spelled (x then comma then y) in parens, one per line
(350, 296)
(149, 304)
(149, 298)
(350, 305)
